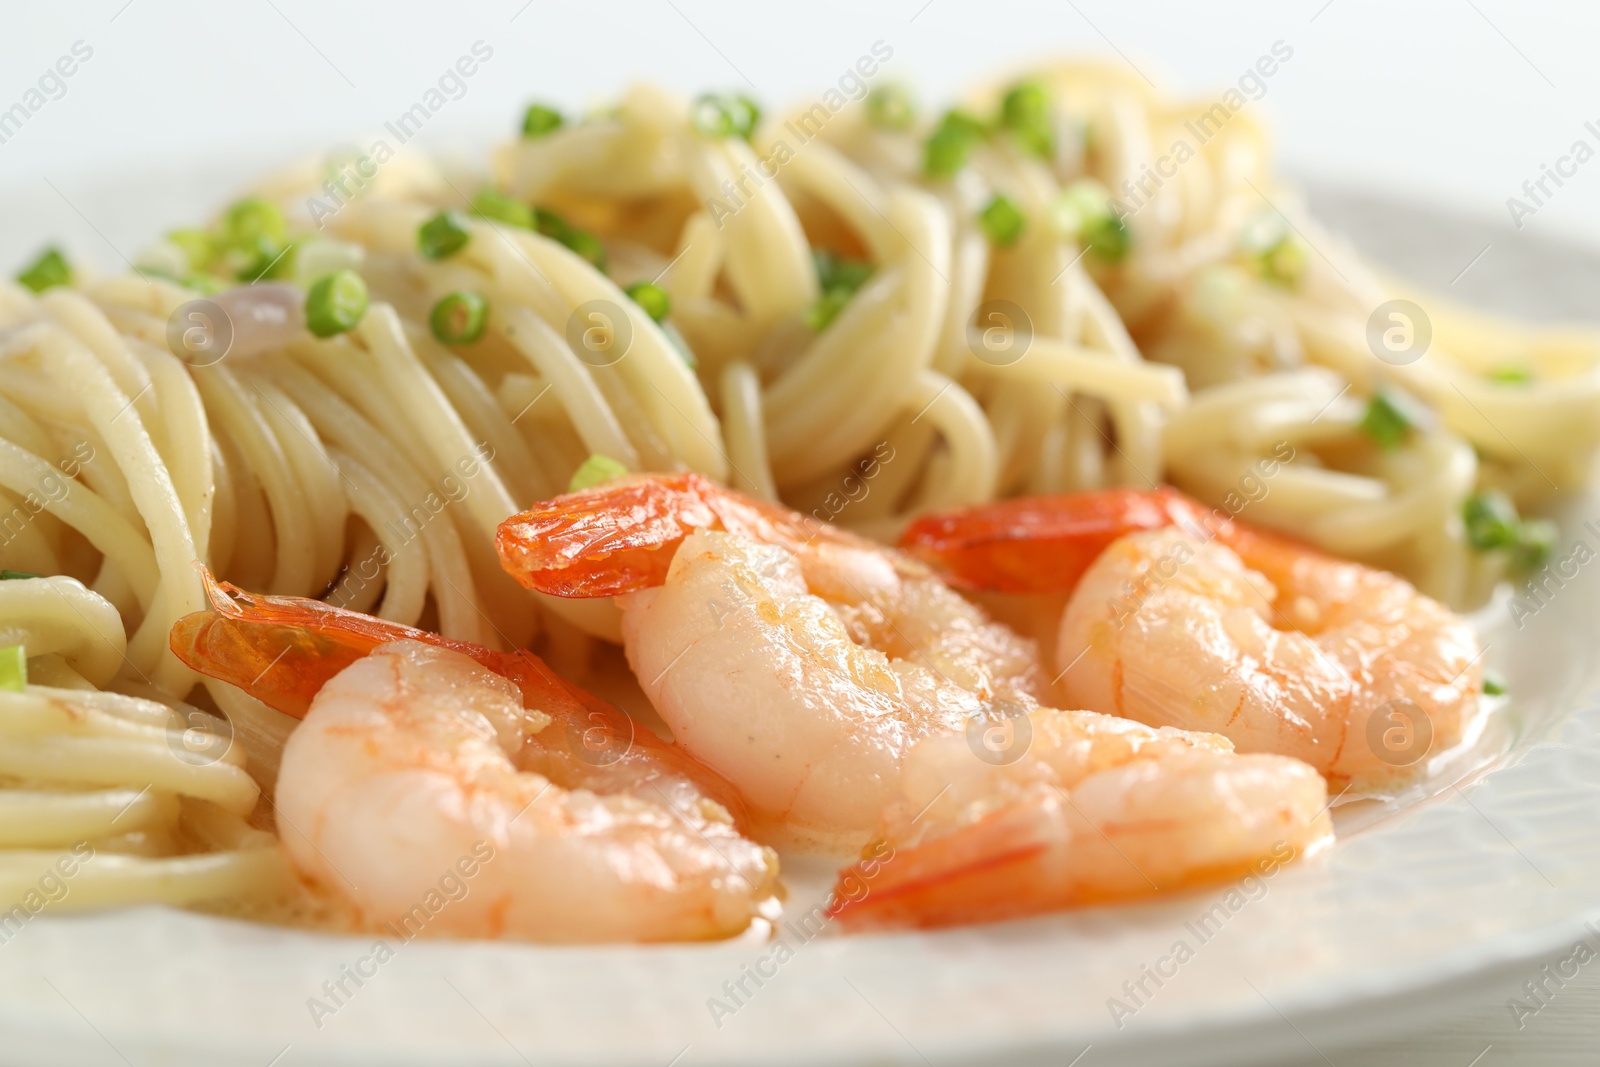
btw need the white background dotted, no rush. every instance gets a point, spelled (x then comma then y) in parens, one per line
(1450, 102)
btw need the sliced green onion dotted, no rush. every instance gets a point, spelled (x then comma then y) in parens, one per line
(335, 304)
(1390, 417)
(1277, 251)
(588, 246)
(725, 116)
(820, 315)
(890, 107)
(1002, 220)
(1025, 111)
(539, 120)
(489, 204)
(251, 218)
(13, 668)
(1025, 104)
(1083, 212)
(1511, 375)
(596, 470)
(7, 576)
(549, 223)
(267, 259)
(836, 272)
(951, 142)
(443, 235)
(1536, 542)
(652, 298)
(1493, 684)
(459, 318)
(839, 279)
(48, 271)
(1491, 520)
(197, 246)
(1285, 262)
(318, 256)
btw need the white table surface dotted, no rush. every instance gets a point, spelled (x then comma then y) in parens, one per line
(1454, 101)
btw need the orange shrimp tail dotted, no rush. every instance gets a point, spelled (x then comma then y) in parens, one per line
(1043, 544)
(282, 649)
(1011, 864)
(620, 537)
(982, 872)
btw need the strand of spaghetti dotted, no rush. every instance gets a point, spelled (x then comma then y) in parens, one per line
(405, 515)
(294, 570)
(969, 265)
(84, 321)
(402, 562)
(101, 761)
(313, 469)
(251, 547)
(470, 396)
(767, 259)
(428, 412)
(112, 413)
(58, 615)
(743, 427)
(548, 354)
(1450, 471)
(660, 381)
(692, 274)
(85, 511)
(1084, 370)
(109, 879)
(187, 431)
(896, 315)
(973, 462)
(46, 818)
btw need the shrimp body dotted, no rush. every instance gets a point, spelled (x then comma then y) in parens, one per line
(406, 767)
(1275, 646)
(803, 681)
(1096, 809)
(419, 756)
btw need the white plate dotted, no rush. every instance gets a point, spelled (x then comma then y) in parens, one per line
(1421, 901)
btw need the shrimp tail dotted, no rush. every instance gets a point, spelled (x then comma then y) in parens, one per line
(988, 870)
(282, 650)
(1044, 544)
(620, 537)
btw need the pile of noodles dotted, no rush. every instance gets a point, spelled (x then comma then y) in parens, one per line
(371, 468)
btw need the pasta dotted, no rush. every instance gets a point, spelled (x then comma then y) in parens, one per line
(842, 330)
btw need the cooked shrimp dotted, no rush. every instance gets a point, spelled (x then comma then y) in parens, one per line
(415, 758)
(769, 683)
(1203, 623)
(1273, 645)
(621, 537)
(801, 668)
(1095, 809)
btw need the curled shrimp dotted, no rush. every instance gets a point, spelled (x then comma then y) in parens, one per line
(1200, 622)
(1277, 647)
(419, 757)
(801, 668)
(1086, 809)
